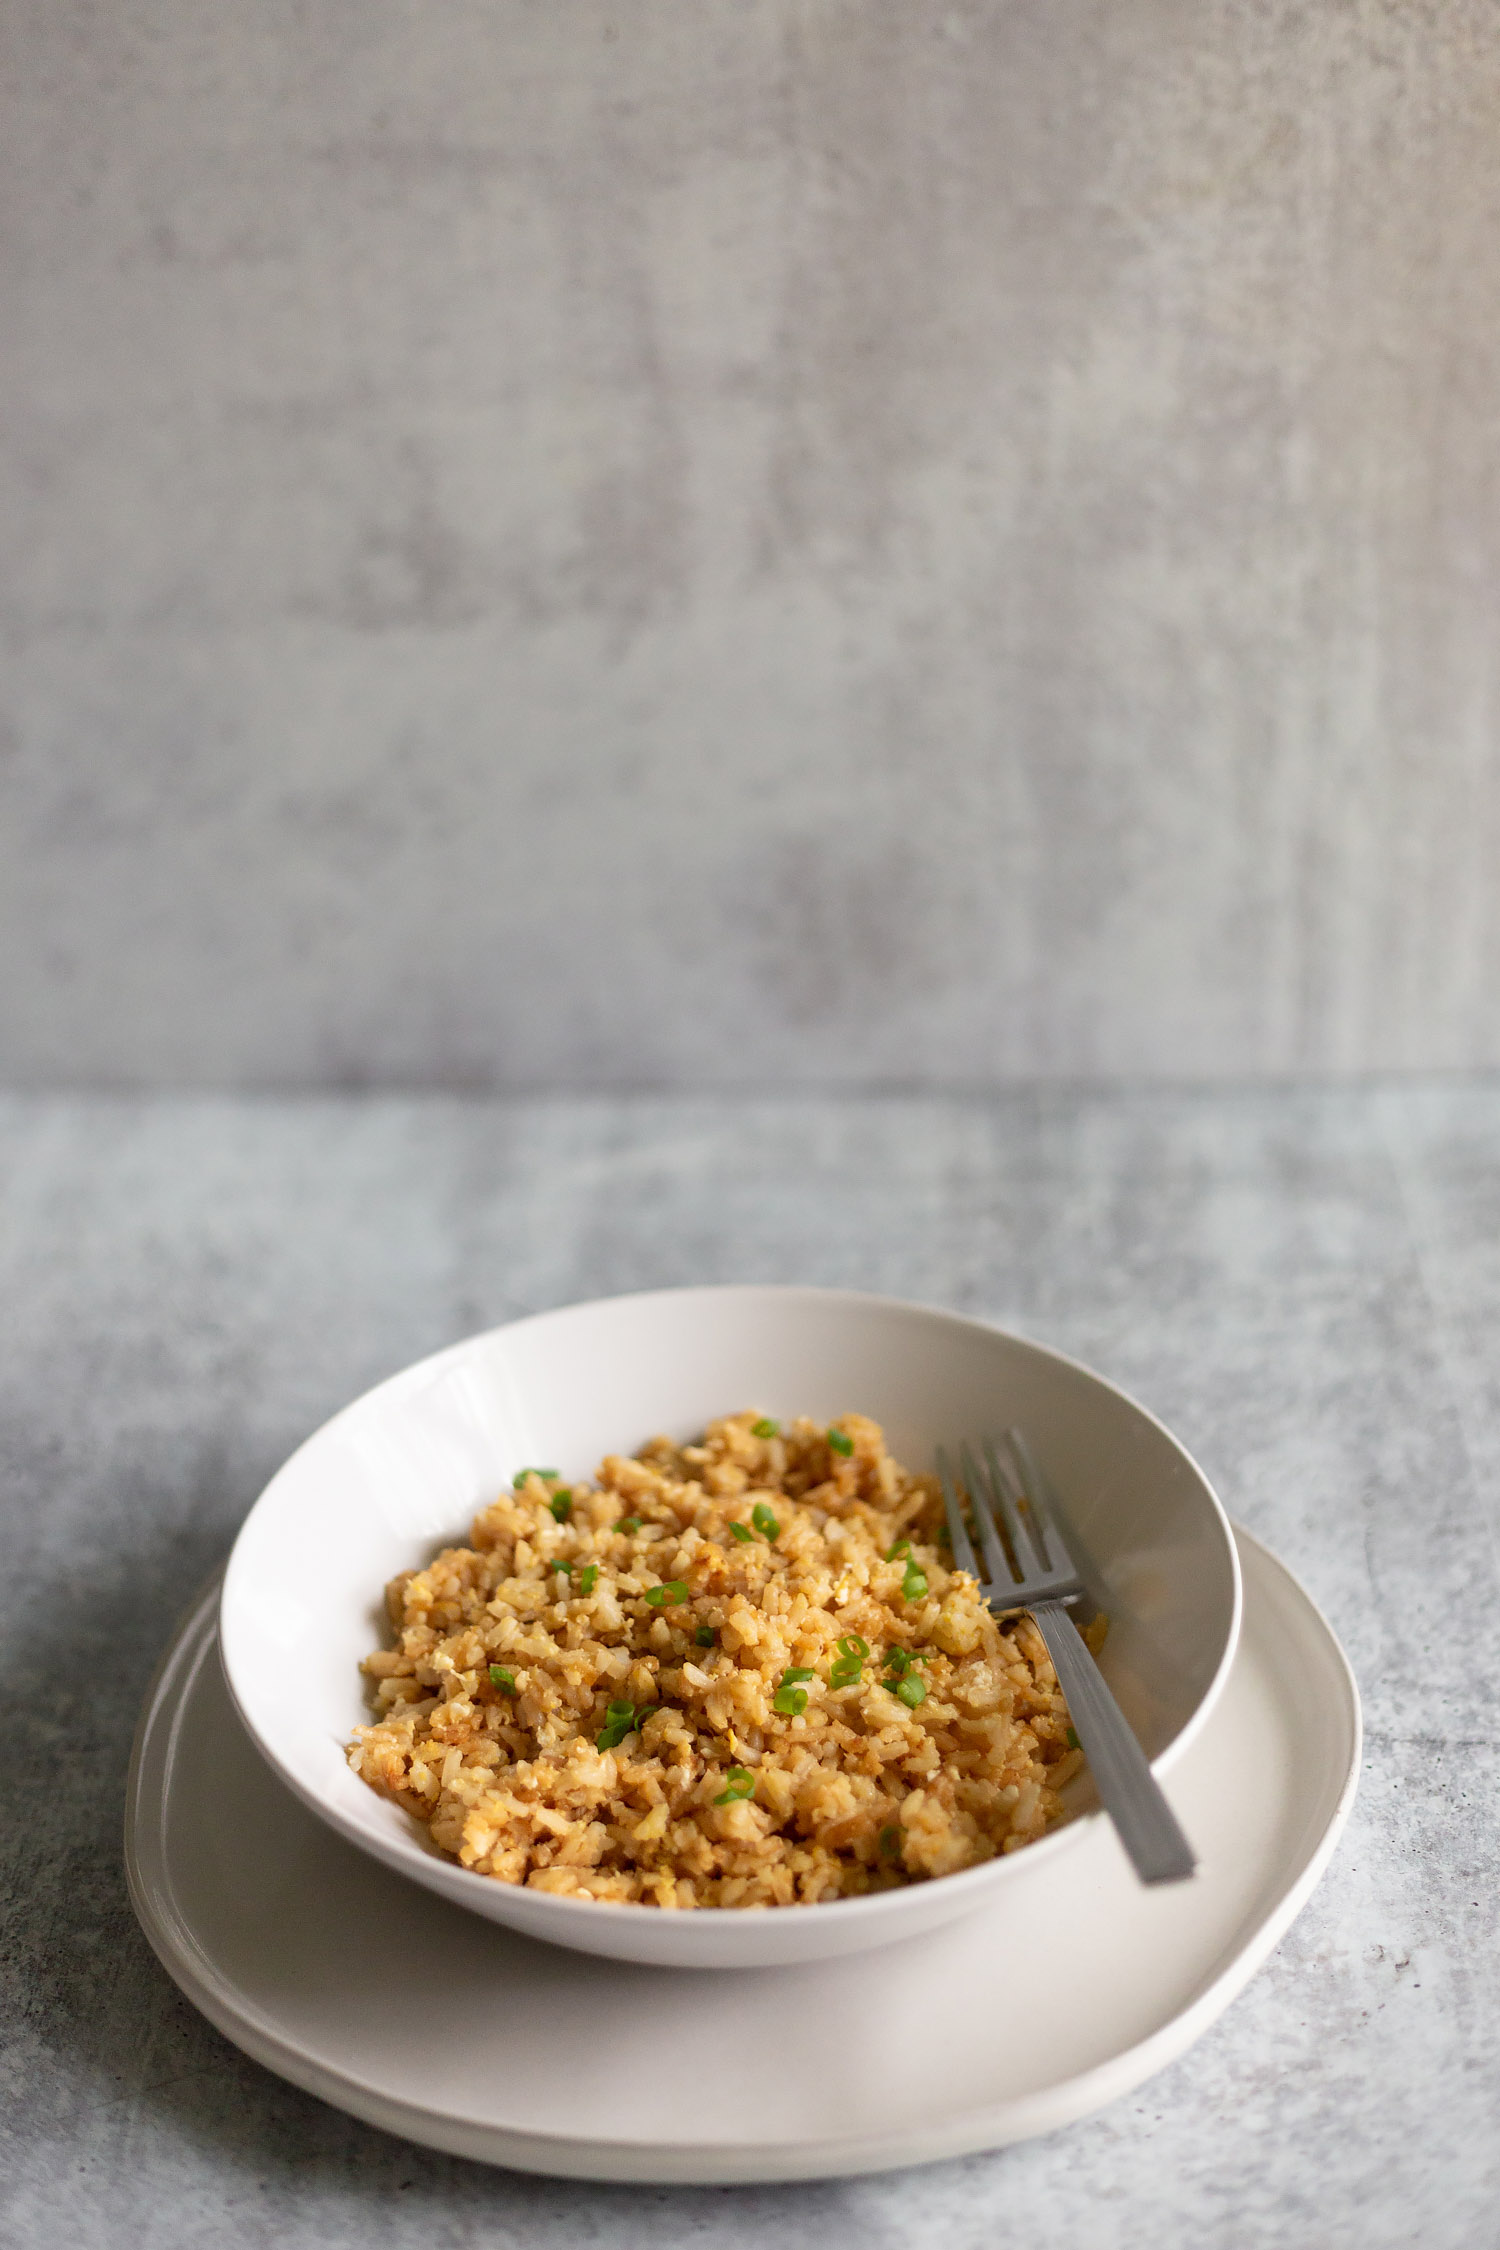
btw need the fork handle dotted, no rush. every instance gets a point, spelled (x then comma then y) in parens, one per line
(1129, 1791)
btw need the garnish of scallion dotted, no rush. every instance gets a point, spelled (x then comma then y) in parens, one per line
(503, 1678)
(764, 1522)
(914, 1584)
(620, 1719)
(840, 1443)
(912, 1691)
(742, 1532)
(738, 1784)
(849, 1664)
(675, 1590)
(561, 1505)
(765, 1428)
(1072, 1739)
(630, 1525)
(705, 1636)
(588, 1578)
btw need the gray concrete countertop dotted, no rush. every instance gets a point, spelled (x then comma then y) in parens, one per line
(1305, 1285)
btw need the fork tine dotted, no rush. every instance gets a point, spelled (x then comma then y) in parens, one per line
(1027, 1561)
(963, 1552)
(1002, 1576)
(1039, 1492)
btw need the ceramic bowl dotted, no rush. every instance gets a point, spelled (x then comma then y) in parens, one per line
(400, 1473)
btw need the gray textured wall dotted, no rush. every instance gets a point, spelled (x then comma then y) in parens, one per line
(588, 541)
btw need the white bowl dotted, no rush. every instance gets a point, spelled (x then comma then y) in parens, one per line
(401, 1471)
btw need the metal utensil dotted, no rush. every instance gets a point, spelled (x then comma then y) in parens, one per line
(1028, 1567)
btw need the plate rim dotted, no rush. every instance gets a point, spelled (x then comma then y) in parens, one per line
(665, 2162)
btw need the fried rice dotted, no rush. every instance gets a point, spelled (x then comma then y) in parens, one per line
(733, 1673)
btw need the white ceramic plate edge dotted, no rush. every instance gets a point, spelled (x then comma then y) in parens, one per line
(1062, 2103)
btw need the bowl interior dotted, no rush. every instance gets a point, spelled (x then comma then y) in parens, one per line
(401, 1471)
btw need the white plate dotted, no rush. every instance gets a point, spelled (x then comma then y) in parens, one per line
(401, 1471)
(1077, 1984)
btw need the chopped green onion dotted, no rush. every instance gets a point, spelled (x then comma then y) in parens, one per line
(840, 1443)
(897, 1663)
(619, 1720)
(764, 1521)
(502, 1677)
(676, 1590)
(912, 1691)
(914, 1584)
(705, 1636)
(890, 1839)
(1073, 1741)
(795, 1672)
(902, 1547)
(629, 1524)
(561, 1562)
(522, 1474)
(738, 1784)
(791, 1702)
(765, 1427)
(588, 1578)
(742, 1532)
(561, 1505)
(848, 1667)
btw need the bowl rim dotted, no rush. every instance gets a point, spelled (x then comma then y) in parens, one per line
(417, 1859)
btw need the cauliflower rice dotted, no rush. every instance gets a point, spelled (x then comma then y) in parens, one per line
(652, 1687)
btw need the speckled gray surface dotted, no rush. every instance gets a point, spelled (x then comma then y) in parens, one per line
(1305, 1285)
(959, 539)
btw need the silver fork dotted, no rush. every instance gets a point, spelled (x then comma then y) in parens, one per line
(1042, 1581)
